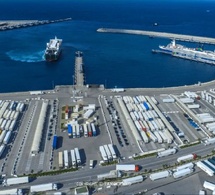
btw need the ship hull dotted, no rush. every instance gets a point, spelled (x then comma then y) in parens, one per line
(52, 57)
(189, 56)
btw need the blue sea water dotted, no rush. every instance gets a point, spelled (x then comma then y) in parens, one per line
(120, 60)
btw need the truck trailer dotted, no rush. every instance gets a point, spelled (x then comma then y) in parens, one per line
(132, 180)
(14, 181)
(166, 152)
(160, 175)
(127, 167)
(186, 158)
(182, 173)
(43, 187)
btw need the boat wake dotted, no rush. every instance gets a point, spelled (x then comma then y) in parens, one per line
(27, 56)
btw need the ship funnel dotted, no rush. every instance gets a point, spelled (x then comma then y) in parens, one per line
(173, 42)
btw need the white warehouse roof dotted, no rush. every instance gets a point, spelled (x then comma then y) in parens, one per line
(39, 129)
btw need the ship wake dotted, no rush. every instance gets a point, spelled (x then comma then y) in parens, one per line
(26, 56)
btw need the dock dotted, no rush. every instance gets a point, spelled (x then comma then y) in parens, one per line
(16, 24)
(79, 71)
(151, 34)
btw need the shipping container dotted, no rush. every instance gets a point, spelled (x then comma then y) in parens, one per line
(133, 116)
(11, 105)
(77, 155)
(193, 106)
(168, 100)
(1, 120)
(60, 159)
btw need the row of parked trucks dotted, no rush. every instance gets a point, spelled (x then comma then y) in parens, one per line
(107, 153)
(146, 120)
(67, 159)
(24, 180)
(76, 130)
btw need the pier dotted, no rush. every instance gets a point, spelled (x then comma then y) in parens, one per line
(16, 24)
(188, 38)
(79, 72)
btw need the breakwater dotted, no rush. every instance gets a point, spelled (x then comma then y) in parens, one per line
(180, 37)
(16, 24)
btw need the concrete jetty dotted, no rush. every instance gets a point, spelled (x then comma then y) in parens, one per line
(79, 72)
(15, 24)
(188, 38)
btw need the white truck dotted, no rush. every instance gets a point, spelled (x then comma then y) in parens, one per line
(160, 175)
(78, 158)
(14, 191)
(14, 181)
(209, 185)
(43, 187)
(186, 157)
(187, 165)
(166, 152)
(111, 148)
(111, 174)
(91, 164)
(182, 173)
(127, 167)
(132, 180)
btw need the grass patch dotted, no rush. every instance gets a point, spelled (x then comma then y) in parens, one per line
(109, 163)
(145, 156)
(190, 145)
(56, 172)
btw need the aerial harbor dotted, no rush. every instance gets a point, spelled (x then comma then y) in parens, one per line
(87, 107)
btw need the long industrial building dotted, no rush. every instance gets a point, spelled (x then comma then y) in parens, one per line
(38, 132)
